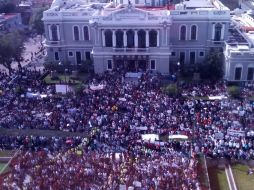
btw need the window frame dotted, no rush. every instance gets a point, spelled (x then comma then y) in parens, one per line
(180, 32)
(111, 62)
(73, 33)
(56, 53)
(88, 32)
(196, 33)
(238, 67)
(69, 54)
(153, 61)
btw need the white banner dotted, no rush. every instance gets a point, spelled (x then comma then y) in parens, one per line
(236, 133)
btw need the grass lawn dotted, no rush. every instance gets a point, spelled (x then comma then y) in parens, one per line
(6, 153)
(48, 79)
(63, 78)
(218, 179)
(243, 181)
(2, 165)
(48, 133)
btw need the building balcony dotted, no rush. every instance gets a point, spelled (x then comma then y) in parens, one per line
(131, 49)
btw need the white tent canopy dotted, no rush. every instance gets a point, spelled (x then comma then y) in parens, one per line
(183, 137)
(150, 137)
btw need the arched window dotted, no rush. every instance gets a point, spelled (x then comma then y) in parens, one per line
(193, 32)
(153, 38)
(119, 39)
(130, 39)
(183, 33)
(141, 39)
(54, 33)
(217, 32)
(76, 33)
(86, 33)
(108, 38)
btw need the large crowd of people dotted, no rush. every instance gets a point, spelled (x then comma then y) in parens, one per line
(121, 112)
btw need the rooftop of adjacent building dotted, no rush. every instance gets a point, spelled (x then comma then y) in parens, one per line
(65, 5)
(7, 16)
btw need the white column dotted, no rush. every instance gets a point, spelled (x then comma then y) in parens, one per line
(158, 38)
(114, 38)
(213, 32)
(103, 38)
(222, 32)
(124, 38)
(136, 38)
(147, 38)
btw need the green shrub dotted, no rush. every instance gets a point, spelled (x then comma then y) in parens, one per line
(170, 90)
(234, 91)
(78, 89)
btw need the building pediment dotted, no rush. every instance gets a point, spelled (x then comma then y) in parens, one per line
(129, 13)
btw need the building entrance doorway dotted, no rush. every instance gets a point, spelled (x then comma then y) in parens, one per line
(132, 63)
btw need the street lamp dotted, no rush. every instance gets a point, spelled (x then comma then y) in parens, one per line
(178, 71)
(65, 78)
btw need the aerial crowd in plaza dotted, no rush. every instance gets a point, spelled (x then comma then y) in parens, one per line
(112, 153)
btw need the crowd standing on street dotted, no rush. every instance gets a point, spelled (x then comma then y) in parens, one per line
(121, 112)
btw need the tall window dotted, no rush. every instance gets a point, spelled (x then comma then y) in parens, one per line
(88, 55)
(119, 39)
(110, 65)
(86, 33)
(56, 56)
(54, 33)
(250, 74)
(153, 38)
(108, 38)
(183, 33)
(182, 57)
(130, 39)
(238, 73)
(217, 32)
(192, 57)
(193, 32)
(76, 33)
(78, 57)
(141, 39)
(153, 65)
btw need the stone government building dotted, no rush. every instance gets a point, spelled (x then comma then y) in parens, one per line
(137, 35)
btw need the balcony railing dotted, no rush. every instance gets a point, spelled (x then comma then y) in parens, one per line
(131, 49)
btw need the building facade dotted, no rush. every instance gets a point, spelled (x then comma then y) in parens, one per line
(239, 48)
(137, 35)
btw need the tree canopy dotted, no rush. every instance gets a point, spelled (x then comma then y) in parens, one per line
(7, 6)
(11, 49)
(212, 68)
(36, 21)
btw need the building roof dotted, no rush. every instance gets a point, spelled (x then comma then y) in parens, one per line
(7, 16)
(192, 4)
(235, 37)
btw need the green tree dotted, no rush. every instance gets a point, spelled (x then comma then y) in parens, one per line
(6, 52)
(170, 90)
(8, 6)
(11, 49)
(212, 68)
(234, 91)
(36, 22)
(215, 63)
(18, 47)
